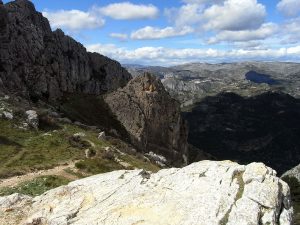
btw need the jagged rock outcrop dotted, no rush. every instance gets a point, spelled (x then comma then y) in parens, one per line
(39, 63)
(151, 117)
(204, 193)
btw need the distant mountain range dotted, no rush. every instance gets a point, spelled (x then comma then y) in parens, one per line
(189, 83)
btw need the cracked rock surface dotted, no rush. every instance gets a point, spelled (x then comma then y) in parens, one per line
(203, 193)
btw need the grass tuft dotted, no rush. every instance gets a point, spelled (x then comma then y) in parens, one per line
(36, 187)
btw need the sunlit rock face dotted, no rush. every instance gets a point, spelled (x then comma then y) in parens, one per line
(151, 117)
(206, 192)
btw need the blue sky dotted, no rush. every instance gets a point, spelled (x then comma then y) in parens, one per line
(169, 32)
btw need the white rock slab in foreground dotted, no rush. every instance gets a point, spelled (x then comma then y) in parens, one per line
(204, 193)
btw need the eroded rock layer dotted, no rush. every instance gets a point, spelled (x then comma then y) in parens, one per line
(204, 193)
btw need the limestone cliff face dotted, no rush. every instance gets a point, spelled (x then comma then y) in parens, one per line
(204, 193)
(40, 63)
(151, 117)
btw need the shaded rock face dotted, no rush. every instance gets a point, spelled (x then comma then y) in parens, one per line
(151, 117)
(264, 128)
(207, 192)
(39, 63)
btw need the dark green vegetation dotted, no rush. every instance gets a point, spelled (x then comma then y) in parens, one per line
(261, 128)
(295, 192)
(36, 186)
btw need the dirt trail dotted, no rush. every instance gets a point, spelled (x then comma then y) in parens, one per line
(58, 170)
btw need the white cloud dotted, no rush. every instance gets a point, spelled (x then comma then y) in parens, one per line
(290, 8)
(290, 31)
(218, 15)
(149, 32)
(73, 19)
(235, 15)
(129, 11)
(119, 36)
(265, 31)
(202, 1)
(169, 56)
(293, 50)
(187, 14)
(249, 45)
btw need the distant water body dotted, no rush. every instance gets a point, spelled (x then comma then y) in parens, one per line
(260, 78)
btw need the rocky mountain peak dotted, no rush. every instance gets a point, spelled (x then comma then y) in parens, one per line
(151, 117)
(26, 6)
(40, 64)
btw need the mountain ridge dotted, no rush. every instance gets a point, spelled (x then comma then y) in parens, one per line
(50, 68)
(41, 64)
(190, 83)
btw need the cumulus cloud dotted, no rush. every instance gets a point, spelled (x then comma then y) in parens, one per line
(149, 32)
(119, 36)
(169, 56)
(129, 11)
(235, 15)
(73, 19)
(265, 31)
(218, 15)
(290, 31)
(290, 8)
(187, 14)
